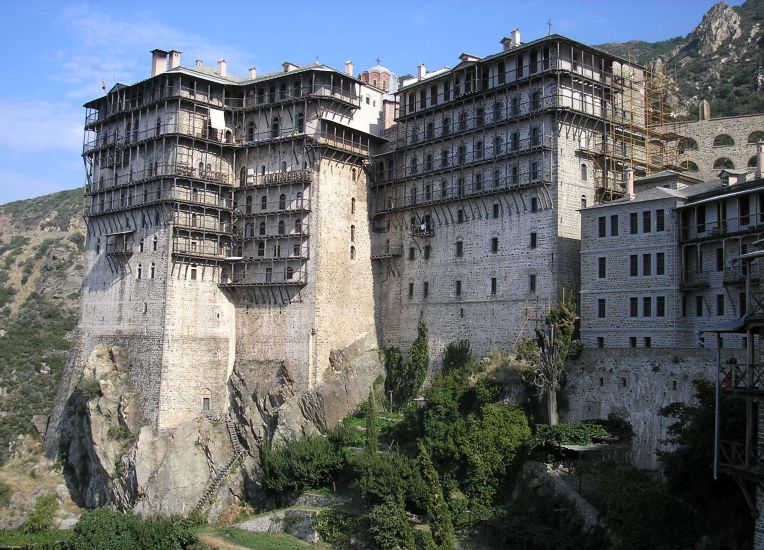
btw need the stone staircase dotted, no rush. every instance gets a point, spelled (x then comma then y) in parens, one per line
(223, 472)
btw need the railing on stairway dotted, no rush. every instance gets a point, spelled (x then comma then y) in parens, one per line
(222, 473)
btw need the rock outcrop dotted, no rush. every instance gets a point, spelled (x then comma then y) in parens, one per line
(113, 459)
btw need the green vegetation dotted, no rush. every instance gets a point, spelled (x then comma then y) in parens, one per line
(335, 527)
(300, 464)
(405, 378)
(107, 529)
(28, 214)
(41, 517)
(437, 510)
(15, 538)
(5, 494)
(261, 541)
(389, 527)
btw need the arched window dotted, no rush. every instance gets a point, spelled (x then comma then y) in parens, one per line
(140, 245)
(752, 162)
(723, 140)
(275, 126)
(354, 174)
(154, 243)
(724, 162)
(263, 202)
(352, 253)
(584, 172)
(298, 226)
(283, 166)
(687, 144)
(352, 205)
(299, 199)
(201, 168)
(289, 273)
(209, 168)
(583, 201)
(262, 228)
(689, 166)
(248, 208)
(282, 202)
(300, 122)
(261, 249)
(249, 230)
(251, 129)
(152, 270)
(139, 272)
(98, 245)
(243, 176)
(352, 233)
(281, 227)
(756, 137)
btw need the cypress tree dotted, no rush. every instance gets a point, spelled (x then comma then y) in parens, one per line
(437, 509)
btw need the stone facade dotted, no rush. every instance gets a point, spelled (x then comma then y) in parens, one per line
(712, 144)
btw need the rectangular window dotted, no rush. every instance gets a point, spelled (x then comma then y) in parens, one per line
(633, 265)
(532, 283)
(719, 259)
(647, 306)
(660, 263)
(633, 307)
(411, 290)
(494, 245)
(411, 253)
(602, 226)
(741, 303)
(459, 249)
(444, 158)
(458, 288)
(647, 264)
(699, 306)
(647, 224)
(478, 150)
(493, 286)
(601, 308)
(534, 240)
(614, 225)
(425, 289)
(720, 304)
(660, 306)
(648, 342)
(534, 204)
(684, 306)
(660, 220)
(427, 252)
(633, 341)
(460, 216)
(496, 210)
(633, 221)
(600, 342)
(602, 267)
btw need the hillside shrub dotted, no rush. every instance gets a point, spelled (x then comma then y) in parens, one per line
(5, 494)
(299, 464)
(575, 433)
(405, 378)
(41, 517)
(389, 527)
(108, 529)
(337, 528)
(458, 357)
(437, 510)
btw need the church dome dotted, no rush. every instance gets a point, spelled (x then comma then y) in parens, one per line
(380, 77)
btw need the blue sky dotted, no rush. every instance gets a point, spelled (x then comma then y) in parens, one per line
(58, 53)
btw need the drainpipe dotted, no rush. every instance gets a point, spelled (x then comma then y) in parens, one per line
(716, 403)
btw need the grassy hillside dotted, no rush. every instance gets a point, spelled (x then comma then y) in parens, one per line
(41, 244)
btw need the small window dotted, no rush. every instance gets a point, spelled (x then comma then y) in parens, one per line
(493, 286)
(601, 344)
(633, 344)
(411, 290)
(660, 306)
(426, 251)
(584, 172)
(602, 226)
(412, 252)
(660, 221)
(459, 249)
(648, 342)
(496, 210)
(647, 306)
(532, 282)
(719, 259)
(352, 233)
(720, 304)
(152, 270)
(534, 204)
(647, 221)
(633, 265)
(633, 307)
(647, 264)
(193, 272)
(458, 288)
(633, 223)
(601, 309)
(425, 289)
(139, 271)
(534, 239)
(154, 243)
(263, 202)
(660, 263)
(205, 403)
(494, 245)
(282, 202)
(460, 216)
(602, 267)
(352, 251)
(699, 306)
(614, 225)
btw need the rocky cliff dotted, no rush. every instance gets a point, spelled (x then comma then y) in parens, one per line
(721, 60)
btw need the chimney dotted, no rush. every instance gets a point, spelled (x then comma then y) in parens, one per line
(222, 67)
(759, 159)
(349, 68)
(704, 110)
(174, 58)
(158, 62)
(288, 66)
(515, 35)
(199, 63)
(252, 73)
(629, 183)
(506, 43)
(421, 71)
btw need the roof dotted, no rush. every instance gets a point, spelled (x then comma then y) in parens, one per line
(662, 193)
(667, 174)
(733, 325)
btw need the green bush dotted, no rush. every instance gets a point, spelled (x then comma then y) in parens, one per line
(404, 379)
(5, 494)
(107, 529)
(120, 433)
(389, 527)
(89, 388)
(41, 517)
(458, 357)
(577, 433)
(299, 464)
(336, 527)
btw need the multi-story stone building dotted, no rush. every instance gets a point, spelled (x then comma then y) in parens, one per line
(225, 218)
(713, 144)
(475, 202)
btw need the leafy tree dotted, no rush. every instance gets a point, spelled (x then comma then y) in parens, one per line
(437, 509)
(554, 344)
(458, 356)
(404, 379)
(300, 464)
(389, 526)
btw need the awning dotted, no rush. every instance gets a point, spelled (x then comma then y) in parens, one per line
(117, 233)
(217, 119)
(729, 326)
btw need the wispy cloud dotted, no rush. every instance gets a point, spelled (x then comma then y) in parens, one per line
(35, 126)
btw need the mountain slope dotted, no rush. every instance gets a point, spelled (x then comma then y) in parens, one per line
(41, 244)
(721, 60)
